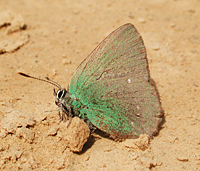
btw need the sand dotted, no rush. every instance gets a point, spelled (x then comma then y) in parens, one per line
(51, 38)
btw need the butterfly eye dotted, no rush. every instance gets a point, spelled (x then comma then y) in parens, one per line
(60, 94)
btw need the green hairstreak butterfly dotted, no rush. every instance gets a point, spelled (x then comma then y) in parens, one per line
(112, 89)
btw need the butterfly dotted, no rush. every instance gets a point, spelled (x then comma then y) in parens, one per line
(112, 89)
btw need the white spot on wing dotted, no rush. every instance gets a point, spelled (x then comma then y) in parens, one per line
(129, 80)
(138, 115)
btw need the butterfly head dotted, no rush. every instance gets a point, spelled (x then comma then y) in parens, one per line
(59, 96)
(60, 93)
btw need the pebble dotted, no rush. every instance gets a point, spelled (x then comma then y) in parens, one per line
(55, 72)
(141, 20)
(182, 158)
(131, 16)
(172, 25)
(16, 21)
(142, 142)
(3, 133)
(30, 122)
(146, 162)
(66, 61)
(156, 47)
(52, 131)
(76, 134)
(26, 133)
(16, 119)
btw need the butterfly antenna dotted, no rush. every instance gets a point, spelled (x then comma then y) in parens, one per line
(47, 79)
(55, 83)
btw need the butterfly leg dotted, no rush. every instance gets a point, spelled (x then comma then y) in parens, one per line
(70, 116)
(66, 110)
(60, 116)
(84, 117)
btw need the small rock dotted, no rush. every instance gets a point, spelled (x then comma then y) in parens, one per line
(107, 149)
(14, 22)
(141, 20)
(155, 47)
(55, 72)
(76, 12)
(52, 131)
(66, 61)
(130, 143)
(131, 16)
(146, 162)
(15, 119)
(172, 25)
(30, 122)
(76, 134)
(182, 158)
(134, 156)
(41, 117)
(60, 30)
(104, 165)
(26, 133)
(16, 155)
(142, 142)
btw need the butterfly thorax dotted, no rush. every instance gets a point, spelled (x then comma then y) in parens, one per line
(69, 104)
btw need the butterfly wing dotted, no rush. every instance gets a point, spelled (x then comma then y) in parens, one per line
(115, 85)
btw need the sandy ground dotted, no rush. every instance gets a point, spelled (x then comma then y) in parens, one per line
(58, 36)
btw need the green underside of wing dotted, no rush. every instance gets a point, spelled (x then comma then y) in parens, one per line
(113, 84)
